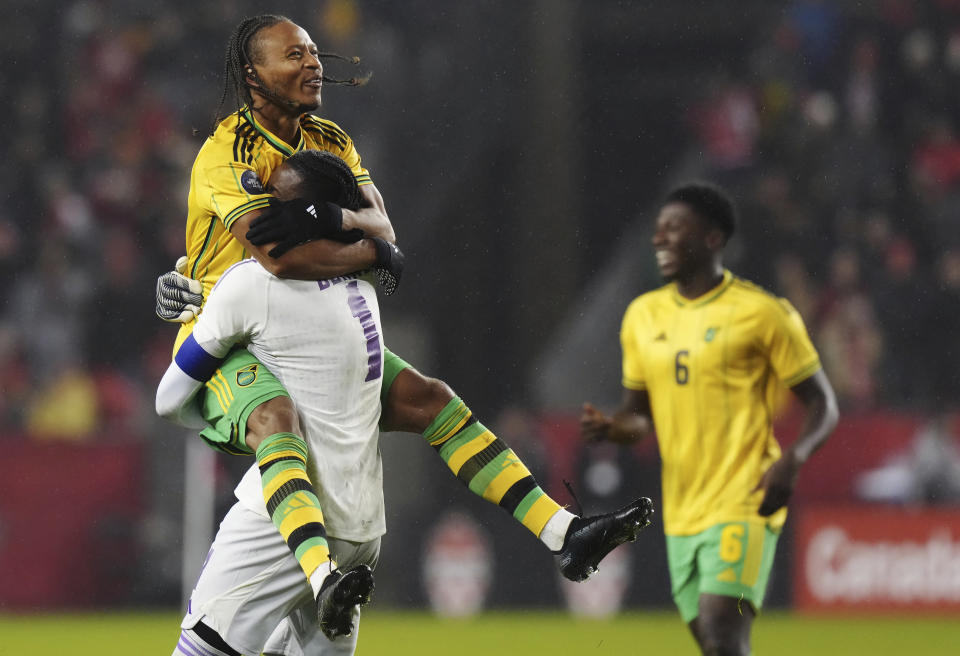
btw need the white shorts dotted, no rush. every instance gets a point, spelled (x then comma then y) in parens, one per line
(251, 584)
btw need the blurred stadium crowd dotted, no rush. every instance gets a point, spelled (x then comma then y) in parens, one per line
(837, 126)
(841, 138)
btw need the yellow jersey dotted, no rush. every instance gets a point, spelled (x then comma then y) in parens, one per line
(713, 367)
(229, 178)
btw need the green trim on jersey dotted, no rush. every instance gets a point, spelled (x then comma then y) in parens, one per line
(709, 297)
(255, 204)
(277, 143)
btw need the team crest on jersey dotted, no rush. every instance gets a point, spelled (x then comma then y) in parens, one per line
(247, 375)
(251, 183)
(711, 333)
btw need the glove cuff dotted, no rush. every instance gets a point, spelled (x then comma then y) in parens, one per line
(384, 252)
(388, 265)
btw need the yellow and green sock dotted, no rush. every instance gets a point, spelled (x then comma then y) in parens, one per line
(489, 467)
(291, 501)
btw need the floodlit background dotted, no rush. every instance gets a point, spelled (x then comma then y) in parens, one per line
(522, 149)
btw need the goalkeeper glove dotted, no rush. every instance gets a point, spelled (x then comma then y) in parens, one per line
(289, 223)
(178, 297)
(388, 266)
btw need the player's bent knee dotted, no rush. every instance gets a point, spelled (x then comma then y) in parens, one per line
(414, 401)
(437, 395)
(276, 415)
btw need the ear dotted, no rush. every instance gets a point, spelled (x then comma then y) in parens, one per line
(716, 239)
(250, 76)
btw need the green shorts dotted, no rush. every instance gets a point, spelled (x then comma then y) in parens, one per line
(233, 391)
(731, 559)
(241, 384)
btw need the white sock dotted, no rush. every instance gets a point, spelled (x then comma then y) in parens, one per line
(555, 529)
(320, 574)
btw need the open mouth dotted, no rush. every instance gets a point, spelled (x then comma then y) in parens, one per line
(665, 258)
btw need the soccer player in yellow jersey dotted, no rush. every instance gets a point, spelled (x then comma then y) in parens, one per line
(703, 358)
(274, 69)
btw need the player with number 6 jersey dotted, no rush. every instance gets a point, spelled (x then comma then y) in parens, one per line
(704, 359)
(727, 353)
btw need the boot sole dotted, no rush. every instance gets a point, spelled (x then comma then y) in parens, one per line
(353, 589)
(625, 532)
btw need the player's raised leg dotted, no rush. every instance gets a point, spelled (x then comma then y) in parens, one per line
(491, 470)
(250, 411)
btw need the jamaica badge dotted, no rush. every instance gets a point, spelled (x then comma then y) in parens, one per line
(247, 375)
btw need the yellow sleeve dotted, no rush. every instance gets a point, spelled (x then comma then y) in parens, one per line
(631, 330)
(226, 187)
(788, 346)
(340, 144)
(352, 157)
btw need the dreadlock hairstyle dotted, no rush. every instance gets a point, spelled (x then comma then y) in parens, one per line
(243, 52)
(326, 178)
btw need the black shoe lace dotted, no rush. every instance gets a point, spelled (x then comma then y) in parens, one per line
(573, 495)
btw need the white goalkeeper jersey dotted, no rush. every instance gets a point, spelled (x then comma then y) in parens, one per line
(323, 341)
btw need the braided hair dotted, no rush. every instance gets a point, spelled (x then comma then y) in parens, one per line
(243, 51)
(326, 177)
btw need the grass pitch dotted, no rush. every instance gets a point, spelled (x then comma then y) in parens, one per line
(520, 633)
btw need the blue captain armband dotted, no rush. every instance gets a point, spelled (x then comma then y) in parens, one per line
(194, 361)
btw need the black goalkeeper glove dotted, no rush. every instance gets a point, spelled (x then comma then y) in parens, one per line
(289, 223)
(388, 266)
(178, 297)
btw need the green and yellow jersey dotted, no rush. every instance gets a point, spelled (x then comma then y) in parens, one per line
(713, 367)
(229, 178)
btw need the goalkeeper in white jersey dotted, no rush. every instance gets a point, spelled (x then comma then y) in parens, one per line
(322, 342)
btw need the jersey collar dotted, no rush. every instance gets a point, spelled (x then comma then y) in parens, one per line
(273, 139)
(705, 298)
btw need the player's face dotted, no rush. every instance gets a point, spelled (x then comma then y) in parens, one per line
(285, 183)
(680, 241)
(289, 67)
